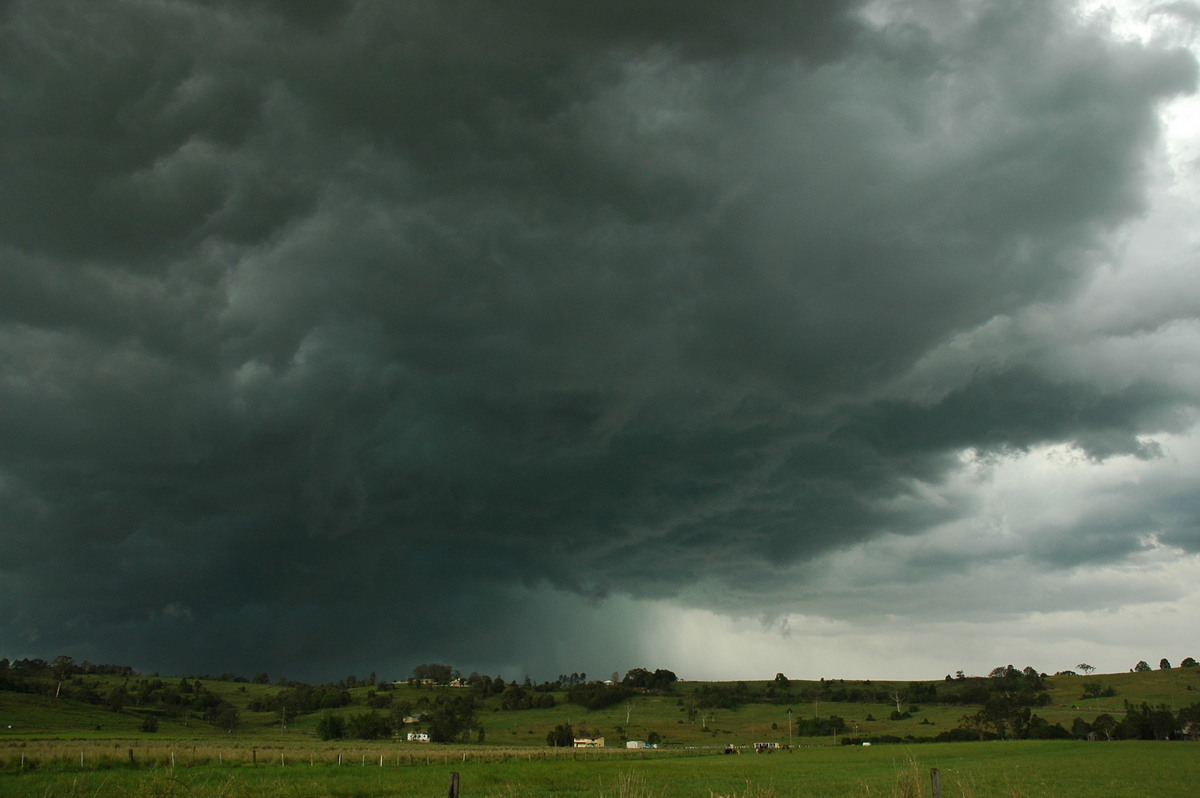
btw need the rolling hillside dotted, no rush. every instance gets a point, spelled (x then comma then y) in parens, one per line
(821, 712)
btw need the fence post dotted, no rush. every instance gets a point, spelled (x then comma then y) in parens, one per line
(935, 778)
(453, 786)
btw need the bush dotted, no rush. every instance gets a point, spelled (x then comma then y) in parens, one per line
(331, 727)
(368, 726)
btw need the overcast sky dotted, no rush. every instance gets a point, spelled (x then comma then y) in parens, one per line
(842, 339)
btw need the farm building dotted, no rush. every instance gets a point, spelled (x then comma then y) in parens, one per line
(418, 737)
(589, 742)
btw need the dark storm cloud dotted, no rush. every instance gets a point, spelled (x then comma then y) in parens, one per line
(318, 311)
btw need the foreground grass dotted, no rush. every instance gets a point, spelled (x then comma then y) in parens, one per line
(1026, 769)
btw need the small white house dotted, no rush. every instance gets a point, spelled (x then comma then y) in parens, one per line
(635, 744)
(418, 737)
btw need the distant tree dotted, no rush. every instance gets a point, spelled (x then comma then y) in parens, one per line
(783, 683)
(638, 677)
(262, 678)
(367, 726)
(1141, 667)
(117, 699)
(1163, 664)
(331, 727)
(516, 697)
(150, 724)
(1188, 662)
(1105, 724)
(224, 716)
(434, 672)
(1083, 666)
(664, 679)
(562, 736)
(453, 719)
(63, 667)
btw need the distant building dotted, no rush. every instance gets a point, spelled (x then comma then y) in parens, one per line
(589, 742)
(418, 737)
(635, 744)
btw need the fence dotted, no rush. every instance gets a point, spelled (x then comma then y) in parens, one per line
(88, 756)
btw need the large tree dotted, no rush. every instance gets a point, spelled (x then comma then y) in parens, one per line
(434, 672)
(562, 736)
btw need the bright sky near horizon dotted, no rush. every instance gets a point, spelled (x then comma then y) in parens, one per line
(841, 339)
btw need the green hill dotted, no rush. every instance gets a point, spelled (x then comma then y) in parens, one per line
(37, 703)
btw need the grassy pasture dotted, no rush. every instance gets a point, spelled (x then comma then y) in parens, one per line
(1032, 769)
(45, 717)
(60, 747)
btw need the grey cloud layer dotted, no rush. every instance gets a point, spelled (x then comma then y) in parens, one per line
(311, 307)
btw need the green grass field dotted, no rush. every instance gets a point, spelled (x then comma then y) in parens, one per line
(55, 747)
(1026, 768)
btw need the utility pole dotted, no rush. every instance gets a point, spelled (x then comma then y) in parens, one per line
(789, 728)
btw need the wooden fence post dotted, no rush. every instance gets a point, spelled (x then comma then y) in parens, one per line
(453, 786)
(935, 777)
